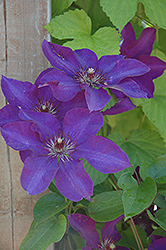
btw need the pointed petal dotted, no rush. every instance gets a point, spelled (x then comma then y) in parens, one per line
(156, 65)
(96, 98)
(86, 57)
(37, 174)
(106, 63)
(85, 226)
(45, 124)
(129, 38)
(103, 154)
(130, 88)
(19, 136)
(63, 87)
(60, 57)
(120, 107)
(8, 114)
(73, 181)
(127, 68)
(41, 75)
(109, 230)
(146, 84)
(80, 124)
(18, 93)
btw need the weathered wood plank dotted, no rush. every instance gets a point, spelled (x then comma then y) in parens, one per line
(21, 33)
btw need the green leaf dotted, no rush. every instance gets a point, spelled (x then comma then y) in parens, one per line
(42, 234)
(106, 206)
(58, 6)
(160, 217)
(157, 170)
(96, 176)
(154, 108)
(142, 147)
(160, 201)
(136, 198)
(119, 12)
(155, 10)
(48, 205)
(77, 25)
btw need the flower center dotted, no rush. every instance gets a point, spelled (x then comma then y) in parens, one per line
(61, 147)
(91, 77)
(46, 107)
(107, 244)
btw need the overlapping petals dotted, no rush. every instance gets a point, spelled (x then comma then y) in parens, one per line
(81, 70)
(85, 226)
(158, 243)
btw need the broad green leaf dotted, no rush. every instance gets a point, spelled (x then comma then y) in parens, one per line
(77, 25)
(106, 206)
(42, 234)
(48, 205)
(155, 10)
(160, 201)
(103, 187)
(58, 6)
(119, 12)
(160, 217)
(157, 170)
(154, 108)
(142, 147)
(136, 198)
(96, 176)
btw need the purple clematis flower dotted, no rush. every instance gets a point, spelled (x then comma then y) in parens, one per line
(52, 151)
(34, 97)
(81, 70)
(85, 226)
(158, 243)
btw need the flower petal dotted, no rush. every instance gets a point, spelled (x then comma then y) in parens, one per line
(18, 93)
(9, 114)
(96, 98)
(20, 136)
(41, 75)
(120, 107)
(85, 226)
(130, 88)
(103, 154)
(73, 181)
(109, 230)
(60, 57)
(80, 124)
(37, 174)
(86, 57)
(146, 84)
(127, 68)
(159, 244)
(106, 63)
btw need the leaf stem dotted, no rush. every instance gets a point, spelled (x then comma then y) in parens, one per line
(136, 235)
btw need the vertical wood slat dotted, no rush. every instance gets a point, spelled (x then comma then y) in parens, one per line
(21, 34)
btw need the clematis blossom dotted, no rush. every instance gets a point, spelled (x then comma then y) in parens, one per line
(158, 243)
(85, 226)
(34, 97)
(81, 70)
(54, 151)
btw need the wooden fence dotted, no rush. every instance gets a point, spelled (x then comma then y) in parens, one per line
(21, 34)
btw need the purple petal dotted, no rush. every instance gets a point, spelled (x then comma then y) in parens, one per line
(41, 75)
(86, 57)
(106, 63)
(18, 93)
(80, 124)
(127, 68)
(103, 154)
(63, 87)
(109, 230)
(156, 237)
(25, 153)
(122, 248)
(120, 107)
(96, 98)
(20, 136)
(129, 38)
(60, 57)
(37, 174)
(156, 65)
(146, 84)
(159, 244)
(85, 226)
(73, 181)
(44, 123)
(87, 248)
(8, 114)
(130, 88)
